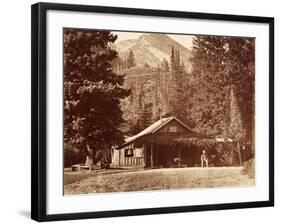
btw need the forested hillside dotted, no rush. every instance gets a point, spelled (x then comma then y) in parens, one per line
(155, 91)
(215, 97)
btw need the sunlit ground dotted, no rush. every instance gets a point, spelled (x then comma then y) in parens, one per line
(85, 182)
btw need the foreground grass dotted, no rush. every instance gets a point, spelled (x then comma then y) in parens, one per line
(84, 182)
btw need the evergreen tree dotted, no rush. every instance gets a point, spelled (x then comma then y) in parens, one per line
(172, 59)
(177, 87)
(165, 65)
(177, 61)
(156, 101)
(92, 91)
(217, 64)
(164, 87)
(209, 77)
(241, 69)
(236, 130)
(131, 60)
(146, 116)
(144, 119)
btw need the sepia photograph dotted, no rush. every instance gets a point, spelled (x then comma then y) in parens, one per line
(157, 111)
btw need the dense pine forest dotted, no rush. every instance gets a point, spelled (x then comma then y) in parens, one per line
(216, 97)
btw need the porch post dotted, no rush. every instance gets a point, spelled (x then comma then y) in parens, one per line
(179, 155)
(144, 155)
(239, 153)
(151, 155)
(119, 157)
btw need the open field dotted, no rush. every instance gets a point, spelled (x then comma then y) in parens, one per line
(97, 181)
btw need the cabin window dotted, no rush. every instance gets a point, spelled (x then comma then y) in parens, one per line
(173, 129)
(138, 152)
(129, 152)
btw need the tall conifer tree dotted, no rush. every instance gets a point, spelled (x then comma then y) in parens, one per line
(92, 91)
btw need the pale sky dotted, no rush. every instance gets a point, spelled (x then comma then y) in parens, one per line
(185, 40)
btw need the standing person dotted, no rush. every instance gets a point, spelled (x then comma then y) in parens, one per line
(204, 158)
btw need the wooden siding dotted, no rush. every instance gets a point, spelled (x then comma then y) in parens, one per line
(119, 157)
(133, 161)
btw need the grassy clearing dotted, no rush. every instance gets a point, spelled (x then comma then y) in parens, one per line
(72, 177)
(83, 182)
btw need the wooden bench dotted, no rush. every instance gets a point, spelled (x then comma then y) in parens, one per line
(82, 166)
(78, 167)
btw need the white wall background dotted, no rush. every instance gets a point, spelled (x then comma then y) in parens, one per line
(15, 110)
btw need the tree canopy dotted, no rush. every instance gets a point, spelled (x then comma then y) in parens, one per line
(92, 91)
(223, 73)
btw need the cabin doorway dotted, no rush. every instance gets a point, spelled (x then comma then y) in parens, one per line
(157, 156)
(161, 156)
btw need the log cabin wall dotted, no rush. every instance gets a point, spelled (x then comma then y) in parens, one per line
(115, 157)
(128, 156)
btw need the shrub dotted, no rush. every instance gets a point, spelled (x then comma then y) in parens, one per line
(249, 168)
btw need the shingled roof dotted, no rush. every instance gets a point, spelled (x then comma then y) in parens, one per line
(154, 127)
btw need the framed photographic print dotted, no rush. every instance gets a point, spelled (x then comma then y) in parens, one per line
(139, 111)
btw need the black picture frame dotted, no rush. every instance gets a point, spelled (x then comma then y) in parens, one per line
(39, 108)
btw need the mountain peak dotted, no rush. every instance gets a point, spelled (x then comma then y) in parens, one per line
(154, 37)
(151, 49)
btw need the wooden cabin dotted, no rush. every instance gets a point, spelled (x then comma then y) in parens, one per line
(158, 146)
